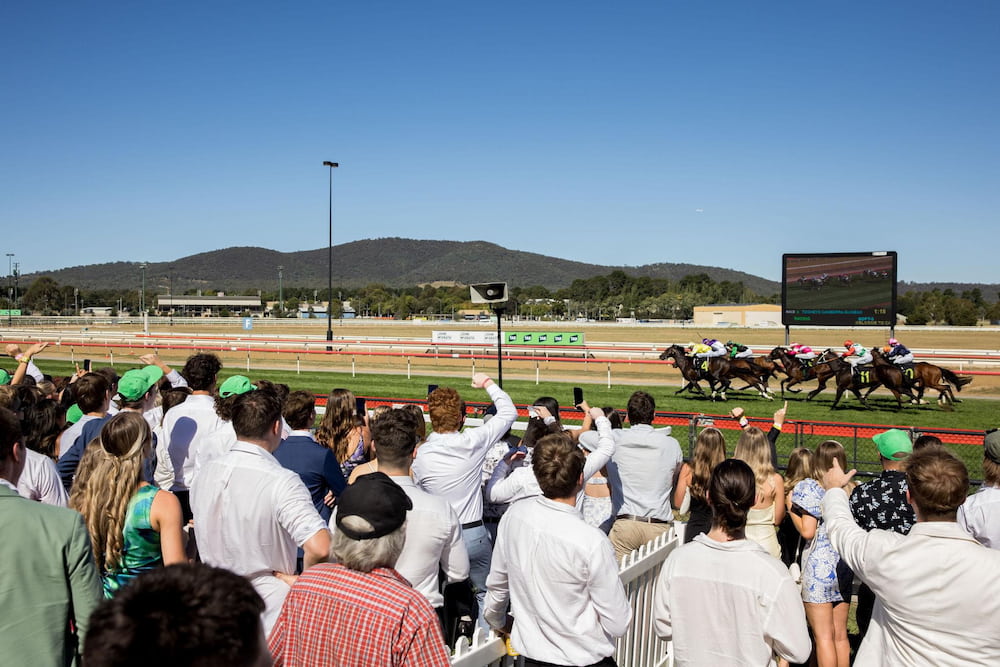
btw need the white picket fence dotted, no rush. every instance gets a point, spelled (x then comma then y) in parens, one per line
(640, 647)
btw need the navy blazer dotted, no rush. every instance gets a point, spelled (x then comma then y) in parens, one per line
(316, 465)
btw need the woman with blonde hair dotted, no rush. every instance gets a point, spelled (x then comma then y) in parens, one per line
(754, 449)
(709, 451)
(344, 431)
(822, 590)
(134, 526)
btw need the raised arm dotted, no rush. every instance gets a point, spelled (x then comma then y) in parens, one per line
(494, 429)
(599, 458)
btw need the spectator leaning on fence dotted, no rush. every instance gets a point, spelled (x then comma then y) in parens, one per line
(882, 504)
(980, 514)
(938, 596)
(557, 573)
(723, 599)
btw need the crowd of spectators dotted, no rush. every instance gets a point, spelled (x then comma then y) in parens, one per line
(163, 514)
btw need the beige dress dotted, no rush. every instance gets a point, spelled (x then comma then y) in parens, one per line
(760, 529)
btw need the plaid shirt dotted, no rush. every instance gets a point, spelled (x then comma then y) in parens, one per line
(337, 616)
(881, 503)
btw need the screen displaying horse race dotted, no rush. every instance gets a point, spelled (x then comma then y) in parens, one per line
(839, 289)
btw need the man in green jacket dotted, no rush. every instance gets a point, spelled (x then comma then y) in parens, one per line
(48, 581)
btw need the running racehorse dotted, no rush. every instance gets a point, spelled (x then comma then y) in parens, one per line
(866, 377)
(923, 376)
(797, 370)
(717, 371)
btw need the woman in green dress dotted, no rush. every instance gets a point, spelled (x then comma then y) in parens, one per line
(133, 525)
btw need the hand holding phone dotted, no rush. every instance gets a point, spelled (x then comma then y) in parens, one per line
(577, 395)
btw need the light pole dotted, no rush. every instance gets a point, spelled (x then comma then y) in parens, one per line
(281, 294)
(142, 294)
(329, 268)
(10, 289)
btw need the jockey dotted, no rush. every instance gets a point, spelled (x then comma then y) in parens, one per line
(898, 353)
(856, 355)
(715, 349)
(738, 351)
(802, 352)
(698, 349)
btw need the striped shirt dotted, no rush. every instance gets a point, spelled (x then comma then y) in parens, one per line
(338, 616)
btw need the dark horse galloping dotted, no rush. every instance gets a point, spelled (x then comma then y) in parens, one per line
(870, 377)
(718, 372)
(923, 376)
(796, 370)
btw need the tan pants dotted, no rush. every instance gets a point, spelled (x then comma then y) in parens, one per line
(627, 535)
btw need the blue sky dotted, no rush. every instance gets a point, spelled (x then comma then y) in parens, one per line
(717, 133)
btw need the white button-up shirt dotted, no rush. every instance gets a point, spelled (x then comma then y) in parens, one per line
(250, 515)
(938, 596)
(450, 465)
(506, 486)
(561, 578)
(980, 516)
(433, 539)
(184, 426)
(641, 472)
(40, 480)
(728, 603)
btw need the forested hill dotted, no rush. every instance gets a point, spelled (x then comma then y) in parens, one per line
(394, 262)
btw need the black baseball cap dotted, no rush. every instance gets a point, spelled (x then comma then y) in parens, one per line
(376, 499)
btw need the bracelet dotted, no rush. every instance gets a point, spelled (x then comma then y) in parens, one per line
(25, 359)
(743, 422)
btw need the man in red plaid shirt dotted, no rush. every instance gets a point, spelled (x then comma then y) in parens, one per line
(360, 611)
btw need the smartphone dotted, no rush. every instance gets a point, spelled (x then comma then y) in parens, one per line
(577, 395)
(86, 365)
(431, 388)
(531, 412)
(359, 406)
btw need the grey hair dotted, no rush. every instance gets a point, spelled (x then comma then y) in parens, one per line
(366, 555)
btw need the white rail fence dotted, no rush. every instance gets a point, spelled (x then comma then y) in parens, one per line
(640, 647)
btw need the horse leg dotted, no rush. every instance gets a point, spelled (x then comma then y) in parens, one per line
(821, 387)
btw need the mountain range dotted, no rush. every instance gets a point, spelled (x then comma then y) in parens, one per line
(395, 262)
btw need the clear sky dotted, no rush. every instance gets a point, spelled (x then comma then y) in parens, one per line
(717, 133)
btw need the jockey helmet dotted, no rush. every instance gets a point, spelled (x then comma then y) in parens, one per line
(893, 341)
(706, 341)
(848, 343)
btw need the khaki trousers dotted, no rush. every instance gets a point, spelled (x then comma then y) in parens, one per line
(628, 535)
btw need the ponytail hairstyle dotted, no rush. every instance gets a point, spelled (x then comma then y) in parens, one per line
(731, 492)
(109, 475)
(709, 451)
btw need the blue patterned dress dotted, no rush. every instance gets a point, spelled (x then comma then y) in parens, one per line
(141, 545)
(819, 560)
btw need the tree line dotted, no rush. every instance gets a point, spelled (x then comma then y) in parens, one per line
(605, 297)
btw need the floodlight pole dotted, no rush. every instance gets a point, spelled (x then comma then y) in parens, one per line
(329, 265)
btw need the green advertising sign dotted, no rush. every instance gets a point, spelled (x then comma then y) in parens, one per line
(8, 313)
(544, 338)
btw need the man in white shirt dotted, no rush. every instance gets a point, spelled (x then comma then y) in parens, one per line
(558, 574)
(450, 465)
(251, 513)
(641, 474)
(938, 596)
(433, 534)
(980, 514)
(187, 424)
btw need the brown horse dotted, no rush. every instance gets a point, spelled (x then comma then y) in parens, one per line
(870, 377)
(923, 376)
(799, 371)
(717, 371)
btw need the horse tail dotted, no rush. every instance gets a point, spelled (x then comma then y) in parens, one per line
(955, 379)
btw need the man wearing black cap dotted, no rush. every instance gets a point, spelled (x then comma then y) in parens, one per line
(980, 515)
(360, 610)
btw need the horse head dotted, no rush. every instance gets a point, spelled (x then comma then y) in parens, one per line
(672, 352)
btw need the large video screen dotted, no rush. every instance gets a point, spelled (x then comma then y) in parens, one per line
(839, 289)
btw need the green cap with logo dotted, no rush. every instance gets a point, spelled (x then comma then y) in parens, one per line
(238, 384)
